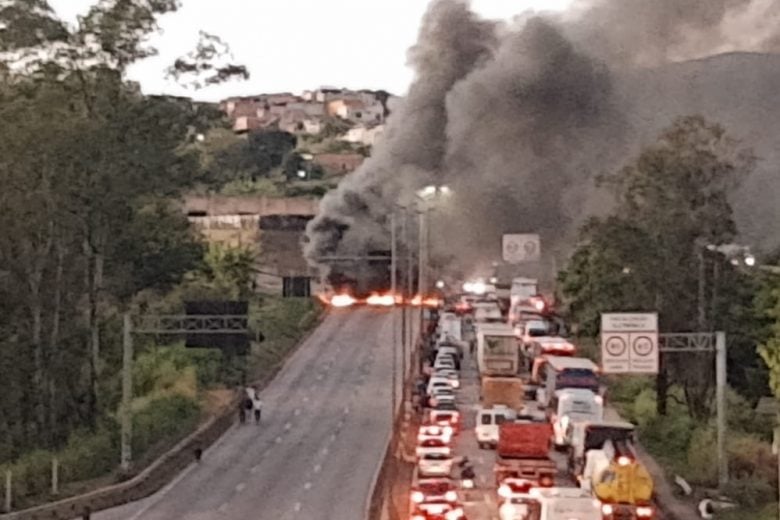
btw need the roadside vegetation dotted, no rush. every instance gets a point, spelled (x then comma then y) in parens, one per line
(651, 254)
(91, 173)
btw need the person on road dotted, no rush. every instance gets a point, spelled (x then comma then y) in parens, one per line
(257, 407)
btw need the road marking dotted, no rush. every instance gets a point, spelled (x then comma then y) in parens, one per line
(223, 507)
(255, 469)
(307, 486)
(317, 468)
(297, 507)
(287, 426)
(278, 440)
(241, 487)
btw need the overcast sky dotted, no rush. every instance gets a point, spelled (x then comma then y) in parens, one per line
(292, 45)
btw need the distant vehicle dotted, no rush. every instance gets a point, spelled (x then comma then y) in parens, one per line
(432, 446)
(566, 504)
(441, 382)
(431, 490)
(487, 312)
(445, 418)
(435, 464)
(520, 507)
(434, 432)
(549, 346)
(450, 326)
(557, 373)
(592, 436)
(572, 405)
(527, 331)
(497, 352)
(511, 487)
(523, 289)
(507, 391)
(523, 452)
(488, 421)
(451, 375)
(442, 400)
(438, 511)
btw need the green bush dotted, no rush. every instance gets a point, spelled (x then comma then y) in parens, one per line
(89, 455)
(163, 418)
(750, 491)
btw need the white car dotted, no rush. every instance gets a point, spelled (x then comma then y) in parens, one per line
(439, 399)
(435, 464)
(451, 375)
(432, 446)
(434, 432)
(519, 507)
(434, 382)
(445, 362)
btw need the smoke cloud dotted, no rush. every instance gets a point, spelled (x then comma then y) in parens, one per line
(518, 118)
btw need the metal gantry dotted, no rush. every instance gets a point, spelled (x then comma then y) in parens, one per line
(704, 342)
(163, 324)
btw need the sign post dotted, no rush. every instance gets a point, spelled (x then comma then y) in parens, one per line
(518, 249)
(629, 343)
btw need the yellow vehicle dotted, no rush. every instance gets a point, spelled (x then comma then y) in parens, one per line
(622, 484)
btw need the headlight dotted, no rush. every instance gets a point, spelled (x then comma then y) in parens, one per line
(644, 512)
(450, 496)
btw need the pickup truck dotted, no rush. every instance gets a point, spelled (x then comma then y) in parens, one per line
(523, 452)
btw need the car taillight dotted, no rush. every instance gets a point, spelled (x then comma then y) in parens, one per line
(450, 496)
(418, 517)
(504, 491)
(418, 497)
(455, 514)
(607, 510)
(546, 482)
(644, 512)
(623, 461)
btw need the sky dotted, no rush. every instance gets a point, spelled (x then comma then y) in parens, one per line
(294, 45)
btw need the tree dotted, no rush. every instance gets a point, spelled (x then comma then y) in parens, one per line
(672, 202)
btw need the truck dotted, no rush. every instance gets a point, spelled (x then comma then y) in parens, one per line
(523, 452)
(507, 391)
(573, 405)
(497, 350)
(553, 503)
(612, 473)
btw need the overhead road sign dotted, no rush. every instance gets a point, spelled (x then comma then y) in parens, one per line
(629, 343)
(518, 249)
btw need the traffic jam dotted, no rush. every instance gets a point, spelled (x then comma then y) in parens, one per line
(513, 421)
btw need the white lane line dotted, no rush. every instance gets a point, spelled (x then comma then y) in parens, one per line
(287, 427)
(297, 507)
(223, 507)
(307, 486)
(255, 469)
(317, 468)
(240, 487)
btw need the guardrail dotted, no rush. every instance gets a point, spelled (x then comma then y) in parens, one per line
(154, 477)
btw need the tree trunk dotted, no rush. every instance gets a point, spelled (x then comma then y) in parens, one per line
(661, 387)
(54, 348)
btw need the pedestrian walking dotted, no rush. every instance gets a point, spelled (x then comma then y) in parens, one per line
(257, 407)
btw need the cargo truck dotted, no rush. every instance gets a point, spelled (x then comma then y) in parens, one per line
(523, 452)
(497, 350)
(507, 391)
(612, 473)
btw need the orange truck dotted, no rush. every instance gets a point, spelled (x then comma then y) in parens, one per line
(507, 391)
(523, 452)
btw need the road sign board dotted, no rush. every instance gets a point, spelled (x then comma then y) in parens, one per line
(518, 249)
(629, 343)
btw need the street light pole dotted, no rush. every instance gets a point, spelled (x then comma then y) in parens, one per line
(393, 273)
(127, 392)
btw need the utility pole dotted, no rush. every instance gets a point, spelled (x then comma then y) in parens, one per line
(393, 286)
(409, 292)
(720, 398)
(127, 391)
(702, 313)
(405, 239)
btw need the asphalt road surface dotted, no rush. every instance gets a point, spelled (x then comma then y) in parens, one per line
(323, 432)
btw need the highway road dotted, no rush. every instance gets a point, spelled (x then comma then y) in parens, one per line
(322, 436)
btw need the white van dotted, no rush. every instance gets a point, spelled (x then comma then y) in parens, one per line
(572, 405)
(488, 420)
